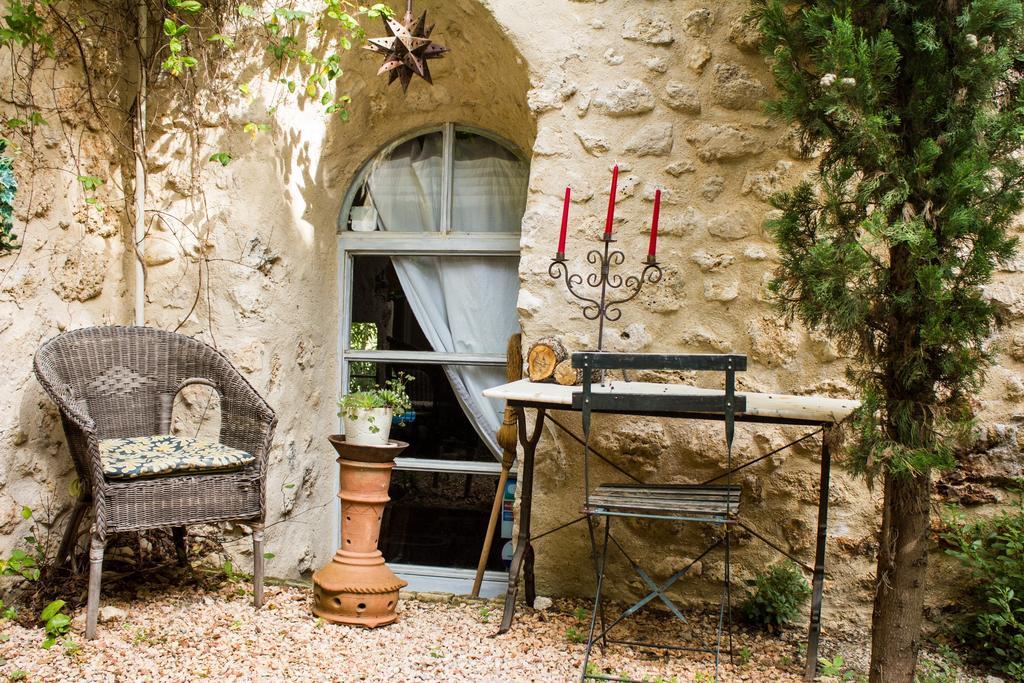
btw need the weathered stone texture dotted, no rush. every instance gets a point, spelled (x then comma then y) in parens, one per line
(625, 98)
(648, 26)
(734, 88)
(654, 139)
(716, 142)
(682, 97)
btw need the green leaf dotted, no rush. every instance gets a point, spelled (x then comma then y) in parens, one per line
(269, 556)
(51, 610)
(222, 157)
(48, 642)
(169, 27)
(16, 123)
(58, 623)
(26, 512)
(226, 41)
(189, 6)
(244, 88)
(90, 182)
(246, 11)
(37, 119)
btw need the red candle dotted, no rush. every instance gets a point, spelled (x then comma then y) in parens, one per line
(565, 222)
(653, 246)
(611, 202)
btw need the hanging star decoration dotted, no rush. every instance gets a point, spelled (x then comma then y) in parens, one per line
(406, 49)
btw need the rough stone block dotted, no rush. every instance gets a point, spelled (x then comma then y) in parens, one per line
(681, 167)
(654, 139)
(697, 57)
(733, 225)
(712, 187)
(718, 142)
(80, 275)
(648, 26)
(682, 97)
(765, 182)
(626, 98)
(721, 291)
(734, 88)
(698, 23)
(595, 145)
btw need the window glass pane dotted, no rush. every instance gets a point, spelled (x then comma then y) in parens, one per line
(463, 293)
(439, 519)
(489, 188)
(437, 427)
(403, 189)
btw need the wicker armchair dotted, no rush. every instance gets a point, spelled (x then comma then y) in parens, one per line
(116, 385)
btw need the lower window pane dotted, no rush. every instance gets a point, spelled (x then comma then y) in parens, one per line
(438, 428)
(439, 519)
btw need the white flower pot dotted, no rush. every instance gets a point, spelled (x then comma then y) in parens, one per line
(367, 426)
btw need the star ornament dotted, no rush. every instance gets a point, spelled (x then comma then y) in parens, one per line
(406, 49)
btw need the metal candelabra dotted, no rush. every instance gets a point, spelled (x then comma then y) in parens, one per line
(603, 306)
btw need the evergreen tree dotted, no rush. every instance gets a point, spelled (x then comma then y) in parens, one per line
(918, 110)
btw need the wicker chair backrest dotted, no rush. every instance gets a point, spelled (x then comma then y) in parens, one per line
(125, 378)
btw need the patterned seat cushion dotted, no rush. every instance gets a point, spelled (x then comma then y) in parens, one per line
(150, 456)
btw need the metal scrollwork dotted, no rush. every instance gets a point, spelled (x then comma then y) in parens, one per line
(603, 305)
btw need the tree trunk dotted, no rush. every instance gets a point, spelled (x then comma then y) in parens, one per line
(899, 593)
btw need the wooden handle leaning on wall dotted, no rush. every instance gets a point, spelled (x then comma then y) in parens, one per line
(508, 439)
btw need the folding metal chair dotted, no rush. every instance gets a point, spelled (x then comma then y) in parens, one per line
(707, 504)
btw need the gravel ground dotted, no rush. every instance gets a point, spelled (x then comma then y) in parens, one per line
(195, 634)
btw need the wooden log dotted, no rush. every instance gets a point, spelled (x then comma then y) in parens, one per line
(567, 375)
(542, 358)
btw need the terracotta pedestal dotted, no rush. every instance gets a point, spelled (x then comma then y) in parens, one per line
(356, 587)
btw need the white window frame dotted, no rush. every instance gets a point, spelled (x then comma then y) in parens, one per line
(444, 242)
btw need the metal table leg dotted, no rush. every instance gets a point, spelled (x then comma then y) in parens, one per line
(522, 559)
(814, 632)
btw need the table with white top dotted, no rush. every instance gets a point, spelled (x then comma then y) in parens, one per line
(817, 412)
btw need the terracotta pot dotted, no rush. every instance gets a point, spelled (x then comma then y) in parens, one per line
(367, 426)
(356, 587)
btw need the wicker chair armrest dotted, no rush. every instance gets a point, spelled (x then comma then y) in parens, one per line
(72, 408)
(247, 421)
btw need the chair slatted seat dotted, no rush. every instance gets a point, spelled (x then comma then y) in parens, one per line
(712, 504)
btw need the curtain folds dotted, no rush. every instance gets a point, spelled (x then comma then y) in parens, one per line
(464, 304)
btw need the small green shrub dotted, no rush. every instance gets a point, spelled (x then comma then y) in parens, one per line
(55, 622)
(993, 552)
(777, 596)
(8, 188)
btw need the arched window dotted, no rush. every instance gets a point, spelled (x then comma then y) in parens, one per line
(429, 249)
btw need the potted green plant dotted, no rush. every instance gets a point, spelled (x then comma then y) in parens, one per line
(367, 414)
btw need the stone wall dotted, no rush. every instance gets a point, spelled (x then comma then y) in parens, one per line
(670, 92)
(245, 257)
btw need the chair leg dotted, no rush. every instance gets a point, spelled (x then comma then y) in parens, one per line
(67, 543)
(728, 589)
(597, 599)
(180, 544)
(95, 575)
(257, 564)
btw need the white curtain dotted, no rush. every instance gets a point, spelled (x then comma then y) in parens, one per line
(464, 304)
